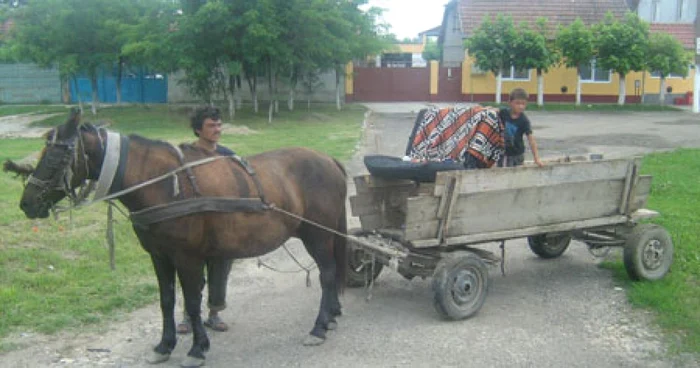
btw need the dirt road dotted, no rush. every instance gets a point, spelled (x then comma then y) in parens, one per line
(558, 313)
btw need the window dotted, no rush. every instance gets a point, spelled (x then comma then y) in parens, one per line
(591, 73)
(512, 74)
(672, 75)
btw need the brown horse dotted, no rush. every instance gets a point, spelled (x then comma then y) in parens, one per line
(299, 181)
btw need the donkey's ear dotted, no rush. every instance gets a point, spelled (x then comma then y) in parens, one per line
(73, 121)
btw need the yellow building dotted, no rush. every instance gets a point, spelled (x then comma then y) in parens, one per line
(463, 16)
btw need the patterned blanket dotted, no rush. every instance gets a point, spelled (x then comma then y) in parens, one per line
(459, 134)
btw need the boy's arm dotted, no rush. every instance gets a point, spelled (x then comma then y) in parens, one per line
(533, 147)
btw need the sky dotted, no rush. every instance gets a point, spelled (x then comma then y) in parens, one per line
(410, 17)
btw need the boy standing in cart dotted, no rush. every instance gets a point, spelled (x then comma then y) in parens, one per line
(517, 125)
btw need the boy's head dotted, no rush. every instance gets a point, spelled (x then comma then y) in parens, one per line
(517, 101)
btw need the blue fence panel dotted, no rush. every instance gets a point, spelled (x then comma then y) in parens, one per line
(138, 85)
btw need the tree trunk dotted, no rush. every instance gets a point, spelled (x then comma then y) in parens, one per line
(540, 88)
(276, 94)
(239, 98)
(253, 84)
(499, 80)
(662, 91)
(337, 89)
(231, 97)
(77, 94)
(292, 87)
(578, 87)
(621, 93)
(271, 88)
(95, 97)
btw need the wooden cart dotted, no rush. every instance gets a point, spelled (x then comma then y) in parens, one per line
(428, 229)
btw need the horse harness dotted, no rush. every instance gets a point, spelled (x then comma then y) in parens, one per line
(180, 207)
(109, 184)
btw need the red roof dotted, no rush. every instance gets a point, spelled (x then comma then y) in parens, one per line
(684, 32)
(563, 12)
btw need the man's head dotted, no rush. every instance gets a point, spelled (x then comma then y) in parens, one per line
(518, 101)
(206, 123)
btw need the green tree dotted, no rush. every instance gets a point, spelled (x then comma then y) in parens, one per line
(534, 50)
(79, 33)
(432, 51)
(666, 56)
(493, 46)
(576, 44)
(622, 46)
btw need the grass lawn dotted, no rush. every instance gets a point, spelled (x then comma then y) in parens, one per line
(55, 274)
(675, 298)
(6, 110)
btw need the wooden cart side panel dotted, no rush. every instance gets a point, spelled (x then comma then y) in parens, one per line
(368, 183)
(494, 211)
(641, 193)
(381, 203)
(477, 181)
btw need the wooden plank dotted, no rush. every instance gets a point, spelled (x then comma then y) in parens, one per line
(631, 170)
(366, 204)
(372, 222)
(632, 191)
(643, 214)
(534, 230)
(452, 195)
(425, 189)
(642, 191)
(369, 182)
(526, 207)
(477, 181)
(421, 209)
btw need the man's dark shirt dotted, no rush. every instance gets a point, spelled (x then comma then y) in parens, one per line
(223, 150)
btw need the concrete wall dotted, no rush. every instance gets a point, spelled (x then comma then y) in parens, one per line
(28, 83)
(178, 93)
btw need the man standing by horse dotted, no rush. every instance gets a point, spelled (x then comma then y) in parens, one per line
(206, 125)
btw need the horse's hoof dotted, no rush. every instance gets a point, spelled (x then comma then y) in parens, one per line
(192, 362)
(155, 358)
(312, 340)
(332, 325)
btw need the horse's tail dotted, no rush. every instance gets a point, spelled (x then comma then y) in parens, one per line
(340, 251)
(339, 242)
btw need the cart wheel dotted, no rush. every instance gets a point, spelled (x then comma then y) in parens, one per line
(361, 269)
(460, 283)
(549, 245)
(648, 252)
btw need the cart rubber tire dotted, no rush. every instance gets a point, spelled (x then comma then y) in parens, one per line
(358, 276)
(460, 284)
(549, 246)
(648, 252)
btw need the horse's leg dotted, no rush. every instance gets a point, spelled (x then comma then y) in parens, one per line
(191, 275)
(165, 271)
(319, 244)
